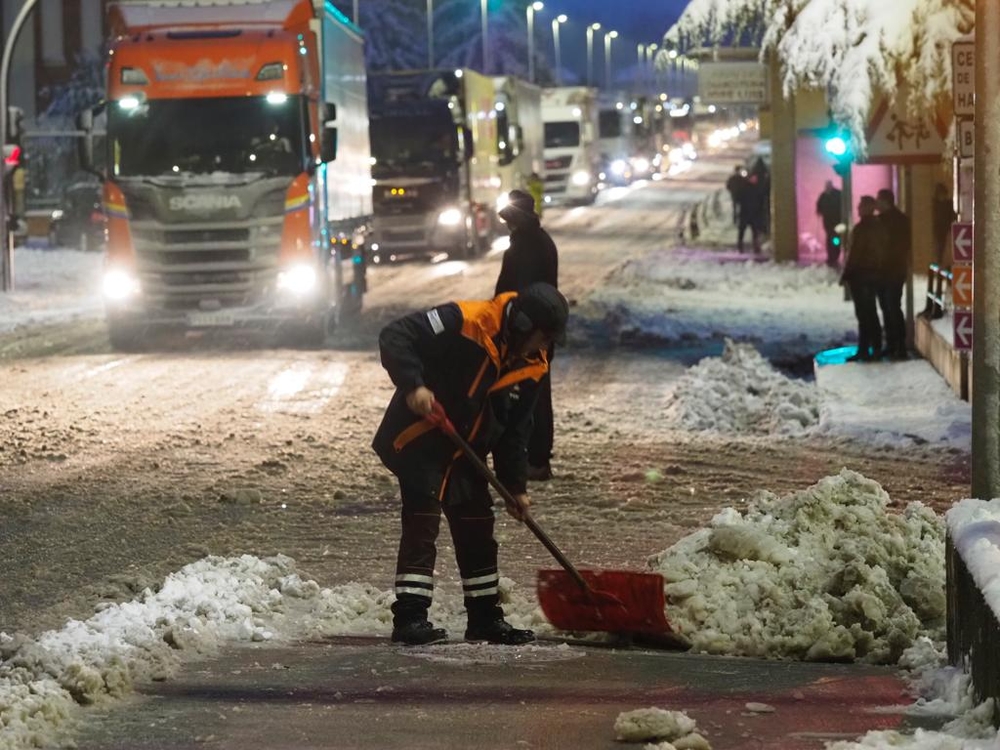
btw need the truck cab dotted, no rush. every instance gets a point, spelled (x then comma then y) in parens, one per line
(228, 201)
(572, 156)
(436, 163)
(615, 135)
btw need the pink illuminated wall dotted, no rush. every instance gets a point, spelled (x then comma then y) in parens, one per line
(813, 170)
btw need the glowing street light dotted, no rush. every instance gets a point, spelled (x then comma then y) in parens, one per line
(590, 52)
(561, 18)
(531, 10)
(607, 57)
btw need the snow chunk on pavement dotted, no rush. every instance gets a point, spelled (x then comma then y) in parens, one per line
(827, 573)
(653, 724)
(740, 392)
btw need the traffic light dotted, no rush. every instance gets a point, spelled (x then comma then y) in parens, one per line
(838, 145)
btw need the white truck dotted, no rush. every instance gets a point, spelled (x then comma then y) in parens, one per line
(237, 189)
(520, 133)
(572, 150)
(616, 138)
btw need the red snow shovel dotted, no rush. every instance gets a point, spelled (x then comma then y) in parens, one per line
(613, 601)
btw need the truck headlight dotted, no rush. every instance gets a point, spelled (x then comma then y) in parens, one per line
(119, 284)
(581, 177)
(641, 164)
(299, 279)
(618, 167)
(450, 217)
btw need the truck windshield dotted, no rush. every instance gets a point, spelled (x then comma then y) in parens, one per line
(562, 134)
(183, 137)
(399, 142)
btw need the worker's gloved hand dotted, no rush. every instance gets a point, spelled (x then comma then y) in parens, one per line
(420, 400)
(522, 507)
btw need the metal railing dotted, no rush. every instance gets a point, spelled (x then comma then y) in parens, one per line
(938, 291)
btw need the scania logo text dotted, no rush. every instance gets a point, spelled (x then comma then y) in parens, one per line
(204, 202)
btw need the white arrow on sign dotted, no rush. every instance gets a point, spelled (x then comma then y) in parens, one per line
(961, 237)
(963, 329)
(963, 285)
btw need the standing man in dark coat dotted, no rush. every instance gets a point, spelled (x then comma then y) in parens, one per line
(862, 274)
(532, 257)
(482, 361)
(894, 273)
(829, 207)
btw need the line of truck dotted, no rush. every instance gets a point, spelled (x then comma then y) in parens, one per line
(252, 168)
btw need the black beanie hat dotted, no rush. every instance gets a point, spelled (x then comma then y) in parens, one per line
(518, 200)
(540, 307)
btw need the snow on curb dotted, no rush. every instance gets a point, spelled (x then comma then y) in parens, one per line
(197, 610)
(740, 392)
(822, 574)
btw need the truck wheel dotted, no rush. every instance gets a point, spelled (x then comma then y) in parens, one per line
(125, 337)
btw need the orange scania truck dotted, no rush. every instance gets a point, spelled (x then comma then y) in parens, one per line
(236, 166)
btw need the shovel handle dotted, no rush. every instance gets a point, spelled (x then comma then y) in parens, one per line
(439, 418)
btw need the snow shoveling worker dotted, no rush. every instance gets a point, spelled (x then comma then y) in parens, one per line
(482, 360)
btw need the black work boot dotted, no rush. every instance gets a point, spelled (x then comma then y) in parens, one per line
(418, 633)
(498, 631)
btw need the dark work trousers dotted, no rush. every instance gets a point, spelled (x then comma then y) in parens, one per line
(748, 223)
(864, 295)
(890, 300)
(543, 429)
(469, 509)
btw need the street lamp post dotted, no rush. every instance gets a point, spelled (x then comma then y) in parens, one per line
(560, 19)
(430, 34)
(640, 66)
(532, 8)
(608, 36)
(486, 46)
(651, 57)
(590, 52)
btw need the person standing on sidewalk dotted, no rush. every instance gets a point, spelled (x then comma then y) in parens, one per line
(828, 206)
(862, 273)
(734, 186)
(482, 361)
(532, 257)
(894, 272)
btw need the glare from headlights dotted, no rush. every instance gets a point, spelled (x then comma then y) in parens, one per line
(580, 178)
(641, 164)
(503, 200)
(618, 166)
(118, 284)
(299, 279)
(450, 217)
(57, 214)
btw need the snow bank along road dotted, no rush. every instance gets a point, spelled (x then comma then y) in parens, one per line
(117, 469)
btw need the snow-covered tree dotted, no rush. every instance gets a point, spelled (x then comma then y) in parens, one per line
(854, 49)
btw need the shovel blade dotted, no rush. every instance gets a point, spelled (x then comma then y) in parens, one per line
(616, 601)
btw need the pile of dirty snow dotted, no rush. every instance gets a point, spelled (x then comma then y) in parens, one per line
(740, 392)
(822, 574)
(669, 730)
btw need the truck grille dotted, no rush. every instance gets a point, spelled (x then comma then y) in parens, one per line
(216, 265)
(561, 162)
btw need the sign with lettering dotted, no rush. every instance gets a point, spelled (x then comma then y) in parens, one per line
(732, 83)
(961, 241)
(965, 134)
(963, 78)
(961, 286)
(963, 329)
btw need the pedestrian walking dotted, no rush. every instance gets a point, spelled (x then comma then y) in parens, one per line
(862, 274)
(753, 206)
(894, 273)
(829, 207)
(734, 186)
(482, 361)
(532, 257)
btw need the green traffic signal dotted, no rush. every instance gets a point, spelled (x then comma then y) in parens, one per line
(837, 146)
